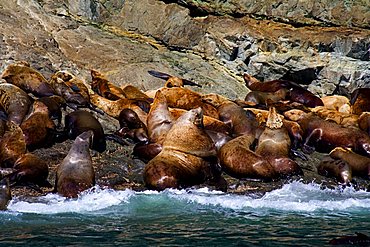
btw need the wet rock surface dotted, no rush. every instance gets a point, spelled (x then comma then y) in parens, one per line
(125, 39)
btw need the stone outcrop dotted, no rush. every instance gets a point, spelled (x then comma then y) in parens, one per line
(324, 45)
(296, 12)
(326, 59)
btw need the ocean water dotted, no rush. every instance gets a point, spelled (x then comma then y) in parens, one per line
(298, 214)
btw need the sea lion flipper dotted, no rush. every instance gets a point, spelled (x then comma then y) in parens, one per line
(190, 83)
(158, 74)
(299, 154)
(117, 139)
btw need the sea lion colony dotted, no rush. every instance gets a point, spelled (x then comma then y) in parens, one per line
(186, 138)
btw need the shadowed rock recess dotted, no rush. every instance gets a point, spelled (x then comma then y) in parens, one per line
(324, 45)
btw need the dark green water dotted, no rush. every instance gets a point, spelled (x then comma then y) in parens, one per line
(296, 215)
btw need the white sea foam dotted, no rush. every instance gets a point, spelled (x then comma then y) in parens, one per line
(91, 200)
(292, 197)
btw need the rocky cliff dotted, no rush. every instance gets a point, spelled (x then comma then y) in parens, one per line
(324, 45)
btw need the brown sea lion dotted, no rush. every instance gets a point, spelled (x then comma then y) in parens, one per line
(360, 100)
(73, 82)
(14, 101)
(337, 102)
(80, 121)
(160, 119)
(28, 79)
(293, 91)
(359, 164)
(183, 161)
(38, 128)
(210, 123)
(12, 145)
(130, 127)
(274, 145)
(218, 138)
(102, 86)
(114, 107)
(258, 97)
(30, 170)
(326, 135)
(180, 97)
(172, 81)
(338, 169)
(54, 104)
(341, 118)
(73, 98)
(5, 194)
(240, 121)
(305, 97)
(132, 92)
(239, 161)
(363, 122)
(76, 173)
(146, 151)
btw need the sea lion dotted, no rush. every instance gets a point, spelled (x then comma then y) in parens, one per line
(38, 129)
(326, 135)
(131, 126)
(274, 145)
(102, 86)
(146, 151)
(12, 144)
(172, 81)
(80, 121)
(305, 97)
(184, 98)
(54, 104)
(5, 194)
(132, 92)
(359, 164)
(160, 119)
(210, 123)
(360, 100)
(183, 161)
(14, 101)
(363, 122)
(341, 118)
(30, 170)
(218, 138)
(292, 90)
(239, 161)
(258, 97)
(114, 107)
(73, 82)
(76, 173)
(28, 79)
(338, 169)
(337, 102)
(74, 99)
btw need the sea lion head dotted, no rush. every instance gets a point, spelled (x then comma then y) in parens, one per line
(294, 114)
(85, 139)
(274, 120)
(129, 118)
(214, 99)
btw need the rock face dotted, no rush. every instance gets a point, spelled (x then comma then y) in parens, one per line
(297, 12)
(324, 45)
(124, 39)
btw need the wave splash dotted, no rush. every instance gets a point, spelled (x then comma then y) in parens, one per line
(293, 197)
